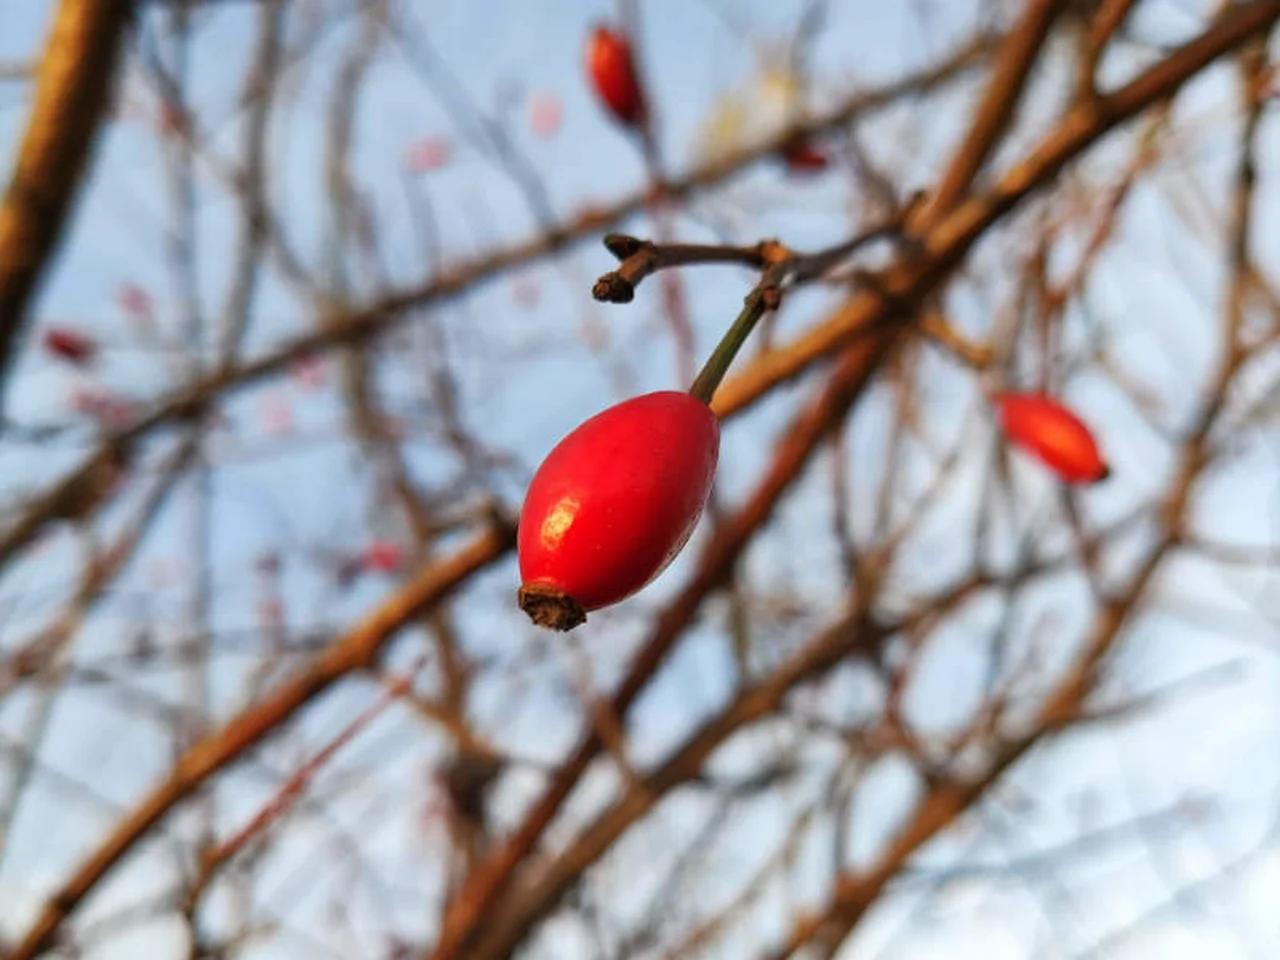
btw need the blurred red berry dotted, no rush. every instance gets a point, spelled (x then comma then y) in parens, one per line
(428, 154)
(1053, 434)
(612, 72)
(613, 504)
(275, 413)
(135, 301)
(111, 411)
(172, 119)
(70, 345)
(801, 156)
(310, 372)
(382, 556)
(545, 114)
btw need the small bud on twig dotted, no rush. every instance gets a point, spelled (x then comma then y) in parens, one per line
(622, 245)
(614, 288)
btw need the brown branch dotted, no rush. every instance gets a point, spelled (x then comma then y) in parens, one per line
(509, 920)
(72, 89)
(946, 244)
(640, 258)
(794, 450)
(951, 797)
(31, 657)
(1109, 18)
(355, 650)
(1018, 53)
(782, 266)
(362, 325)
(47, 655)
(212, 859)
(1066, 703)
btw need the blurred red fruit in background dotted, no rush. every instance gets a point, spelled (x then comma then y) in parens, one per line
(546, 113)
(1053, 434)
(612, 72)
(428, 154)
(135, 301)
(382, 556)
(70, 345)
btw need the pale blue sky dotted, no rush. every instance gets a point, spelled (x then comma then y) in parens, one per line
(526, 377)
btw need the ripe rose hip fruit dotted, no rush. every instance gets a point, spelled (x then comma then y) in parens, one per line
(1052, 433)
(613, 74)
(613, 503)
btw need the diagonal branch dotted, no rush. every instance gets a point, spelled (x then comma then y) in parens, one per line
(946, 244)
(794, 450)
(1017, 55)
(353, 651)
(1065, 704)
(362, 325)
(72, 87)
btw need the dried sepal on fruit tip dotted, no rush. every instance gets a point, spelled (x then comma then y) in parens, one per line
(549, 607)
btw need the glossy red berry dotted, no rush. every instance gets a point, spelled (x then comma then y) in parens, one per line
(612, 72)
(1053, 434)
(70, 346)
(613, 503)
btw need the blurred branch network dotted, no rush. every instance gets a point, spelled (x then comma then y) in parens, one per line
(295, 294)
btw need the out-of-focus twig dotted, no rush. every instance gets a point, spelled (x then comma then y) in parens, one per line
(355, 650)
(364, 324)
(72, 86)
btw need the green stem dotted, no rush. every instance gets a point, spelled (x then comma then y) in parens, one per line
(704, 387)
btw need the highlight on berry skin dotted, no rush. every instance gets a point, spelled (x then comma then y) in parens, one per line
(613, 504)
(1053, 434)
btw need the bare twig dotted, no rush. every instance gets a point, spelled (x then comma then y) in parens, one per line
(72, 88)
(355, 650)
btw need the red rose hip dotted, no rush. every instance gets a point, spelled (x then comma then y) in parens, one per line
(612, 72)
(1053, 434)
(613, 503)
